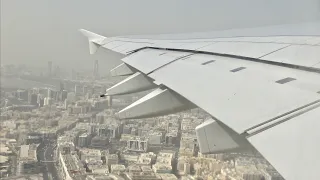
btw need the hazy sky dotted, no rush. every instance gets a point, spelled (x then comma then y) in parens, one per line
(37, 31)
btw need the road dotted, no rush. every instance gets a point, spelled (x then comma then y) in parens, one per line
(46, 153)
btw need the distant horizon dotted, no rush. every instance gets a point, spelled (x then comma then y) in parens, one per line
(43, 64)
(38, 31)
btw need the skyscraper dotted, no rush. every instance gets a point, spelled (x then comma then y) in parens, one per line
(62, 86)
(77, 89)
(33, 99)
(110, 101)
(56, 72)
(49, 93)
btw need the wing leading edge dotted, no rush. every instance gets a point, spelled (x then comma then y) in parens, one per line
(255, 88)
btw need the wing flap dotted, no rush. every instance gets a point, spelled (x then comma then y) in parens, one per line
(292, 147)
(214, 137)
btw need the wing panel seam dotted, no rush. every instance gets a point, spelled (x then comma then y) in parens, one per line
(178, 58)
(274, 51)
(281, 119)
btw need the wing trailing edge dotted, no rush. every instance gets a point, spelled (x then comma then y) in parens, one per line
(215, 137)
(134, 83)
(122, 70)
(161, 101)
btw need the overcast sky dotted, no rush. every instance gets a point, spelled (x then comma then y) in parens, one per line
(37, 31)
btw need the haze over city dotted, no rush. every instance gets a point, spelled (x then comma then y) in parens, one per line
(159, 90)
(37, 31)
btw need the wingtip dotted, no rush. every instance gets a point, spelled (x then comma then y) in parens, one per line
(90, 35)
(83, 31)
(95, 40)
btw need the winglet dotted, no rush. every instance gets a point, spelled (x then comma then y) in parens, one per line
(95, 40)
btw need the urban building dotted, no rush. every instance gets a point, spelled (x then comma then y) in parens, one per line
(28, 162)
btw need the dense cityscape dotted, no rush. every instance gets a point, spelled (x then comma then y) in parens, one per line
(63, 129)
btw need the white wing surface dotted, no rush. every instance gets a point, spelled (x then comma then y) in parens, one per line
(261, 86)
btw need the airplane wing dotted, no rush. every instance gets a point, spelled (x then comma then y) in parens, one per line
(261, 86)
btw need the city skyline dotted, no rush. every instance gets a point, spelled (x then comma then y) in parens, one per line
(37, 31)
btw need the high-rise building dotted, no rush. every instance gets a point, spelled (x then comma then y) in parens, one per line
(40, 100)
(52, 93)
(66, 103)
(85, 89)
(113, 131)
(64, 95)
(56, 72)
(109, 101)
(62, 86)
(48, 101)
(33, 99)
(84, 140)
(49, 93)
(22, 94)
(43, 92)
(102, 131)
(28, 162)
(77, 89)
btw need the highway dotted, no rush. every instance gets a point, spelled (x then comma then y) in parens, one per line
(46, 153)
